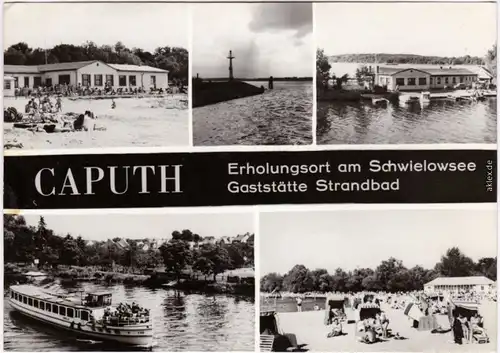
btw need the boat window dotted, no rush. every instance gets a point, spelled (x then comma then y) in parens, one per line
(42, 305)
(54, 308)
(35, 303)
(15, 296)
(62, 311)
(70, 312)
(25, 299)
(30, 302)
(11, 294)
(84, 315)
(47, 306)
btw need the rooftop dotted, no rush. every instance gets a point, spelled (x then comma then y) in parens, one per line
(36, 69)
(434, 71)
(457, 281)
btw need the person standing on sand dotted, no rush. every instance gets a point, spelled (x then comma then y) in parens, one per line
(299, 304)
(271, 83)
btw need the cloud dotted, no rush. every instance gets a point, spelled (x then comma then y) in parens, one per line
(283, 17)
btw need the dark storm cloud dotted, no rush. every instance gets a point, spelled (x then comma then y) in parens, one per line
(282, 16)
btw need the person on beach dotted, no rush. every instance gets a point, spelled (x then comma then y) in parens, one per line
(458, 333)
(336, 328)
(299, 304)
(113, 104)
(59, 104)
(271, 83)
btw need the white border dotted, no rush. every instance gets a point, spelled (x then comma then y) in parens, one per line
(185, 149)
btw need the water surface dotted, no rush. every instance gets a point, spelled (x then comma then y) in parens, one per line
(440, 121)
(282, 116)
(182, 322)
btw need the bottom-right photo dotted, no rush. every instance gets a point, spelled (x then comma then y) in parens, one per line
(378, 279)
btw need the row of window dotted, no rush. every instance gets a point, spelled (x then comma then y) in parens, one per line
(122, 80)
(449, 287)
(86, 81)
(50, 307)
(422, 81)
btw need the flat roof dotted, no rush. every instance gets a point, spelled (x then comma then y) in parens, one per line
(136, 68)
(75, 65)
(433, 71)
(458, 281)
(37, 293)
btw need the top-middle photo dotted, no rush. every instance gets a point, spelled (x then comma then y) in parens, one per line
(252, 73)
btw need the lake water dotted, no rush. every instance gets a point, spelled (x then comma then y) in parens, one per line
(282, 116)
(135, 122)
(182, 322)
(439, 122)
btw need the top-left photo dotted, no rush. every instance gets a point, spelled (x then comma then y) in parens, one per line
(95, 75)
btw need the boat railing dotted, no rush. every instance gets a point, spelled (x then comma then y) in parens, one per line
(125, 321)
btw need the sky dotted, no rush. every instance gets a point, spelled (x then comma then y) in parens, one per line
(140, 226)
(440, 29)
(363, 238)
(146, 26)
(273, 39)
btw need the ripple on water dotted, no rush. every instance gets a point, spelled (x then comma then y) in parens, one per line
(182, 322)
(282, 116)
(438, 122)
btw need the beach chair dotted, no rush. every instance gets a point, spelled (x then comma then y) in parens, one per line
(480, 338)
(266, 343)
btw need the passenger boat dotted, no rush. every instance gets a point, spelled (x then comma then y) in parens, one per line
(89, 315)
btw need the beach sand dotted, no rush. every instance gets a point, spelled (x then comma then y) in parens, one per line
(311, 332)
(136, 122)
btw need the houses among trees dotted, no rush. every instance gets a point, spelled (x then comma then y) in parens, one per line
(391, 275)
(183, 251)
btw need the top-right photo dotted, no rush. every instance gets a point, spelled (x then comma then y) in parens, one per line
(406, 73)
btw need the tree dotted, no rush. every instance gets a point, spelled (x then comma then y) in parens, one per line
(491, 60)
(386, 272)
(298, 280)
(176, 256)
(487, 266)
(363, 73)
(322, 69)
(271, 281)
(212, 259)
(455, 264)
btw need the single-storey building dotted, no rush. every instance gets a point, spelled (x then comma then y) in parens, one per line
(8, 86)
(421, 79)
(478, 284)
(92, 74)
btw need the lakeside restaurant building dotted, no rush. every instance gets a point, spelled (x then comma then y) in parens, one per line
(478, 284)
(85, 73)
(422, 79)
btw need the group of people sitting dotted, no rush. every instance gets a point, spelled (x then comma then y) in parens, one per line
(126, 314)
(465, 328)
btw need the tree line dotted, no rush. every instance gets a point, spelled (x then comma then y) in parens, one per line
(408, 59)
(184, 251)
(173, 59)
(390, 276)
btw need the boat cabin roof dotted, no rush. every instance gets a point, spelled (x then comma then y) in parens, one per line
(100, 294)
(38, 293)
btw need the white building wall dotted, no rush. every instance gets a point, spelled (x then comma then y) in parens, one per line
(144, 79)
(452, 80)
(8, 87)
(54, 75)
(21, 79)
(96, 68)
(411, 74)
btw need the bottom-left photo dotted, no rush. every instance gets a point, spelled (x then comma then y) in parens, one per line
(121, 282)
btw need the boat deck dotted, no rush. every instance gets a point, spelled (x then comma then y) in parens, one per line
(39, 293)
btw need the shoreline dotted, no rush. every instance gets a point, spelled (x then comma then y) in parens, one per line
(73, 277)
